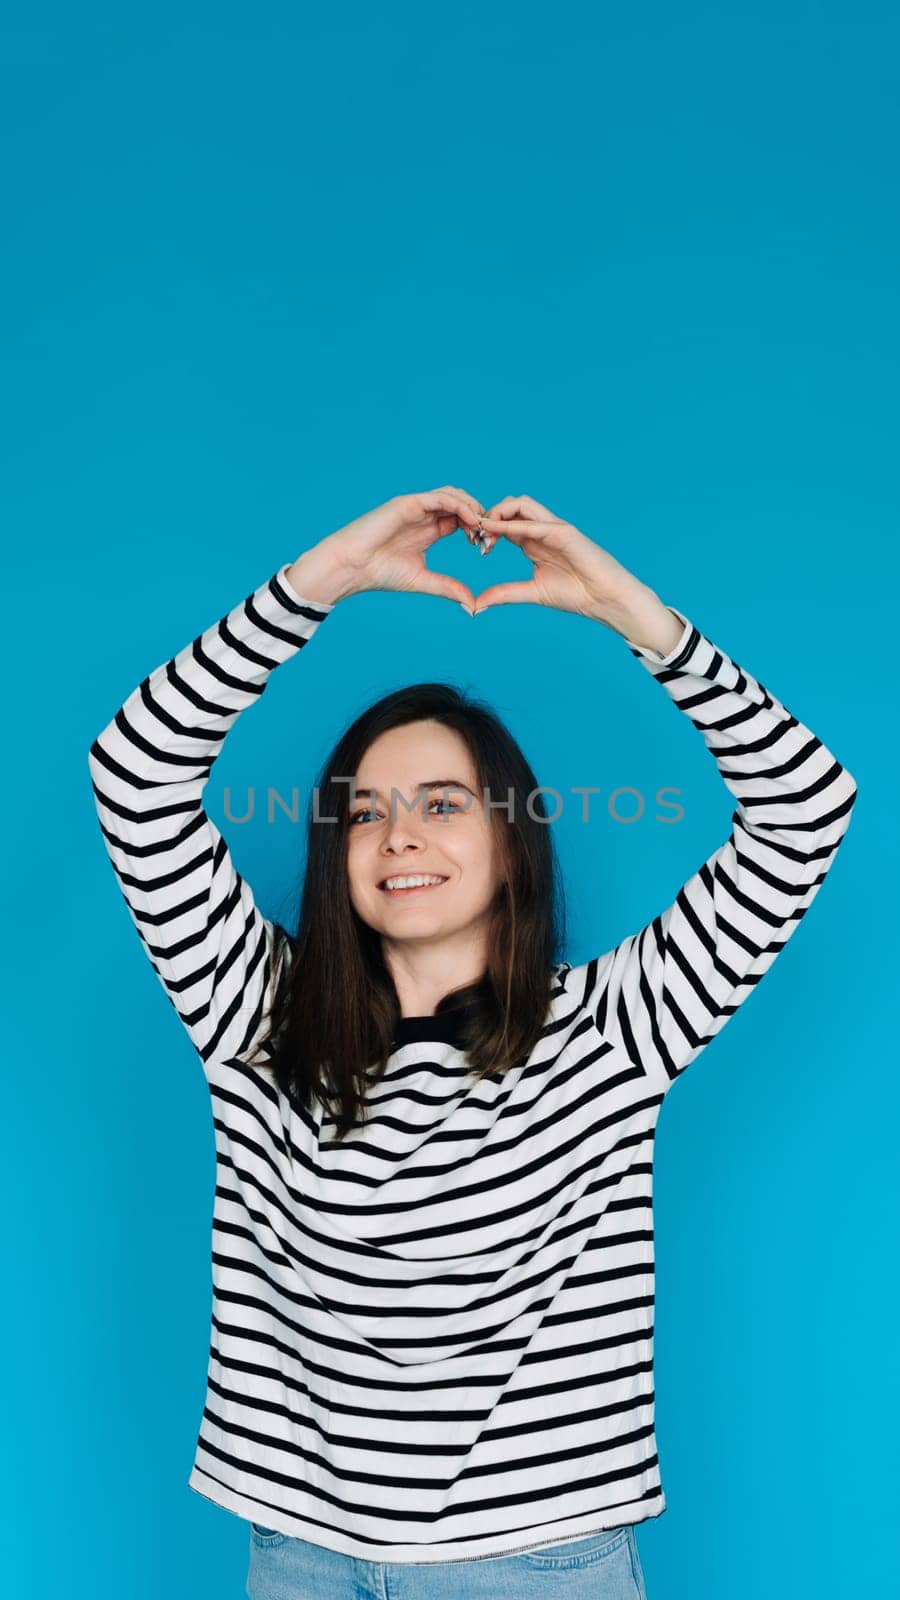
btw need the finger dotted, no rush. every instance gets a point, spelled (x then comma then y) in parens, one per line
(447, 524)
(505, 594)
(438, 499)
(517, 528)
(505, 507)
(444, 500)
(533, 508)
(476, 536)
(437, 583)
(522, 505)
(462, 495)
(473, 501)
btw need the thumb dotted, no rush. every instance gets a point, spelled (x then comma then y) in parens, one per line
(437, 583)
(504, 594)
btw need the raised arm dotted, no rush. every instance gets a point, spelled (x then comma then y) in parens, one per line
(663, 993)
(214, 952)
(211, 947)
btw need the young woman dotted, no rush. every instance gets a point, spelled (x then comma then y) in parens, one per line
(433, 1269)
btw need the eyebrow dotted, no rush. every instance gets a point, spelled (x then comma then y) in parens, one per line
(432, 783)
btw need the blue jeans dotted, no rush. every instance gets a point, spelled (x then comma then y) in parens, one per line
(604, 1566)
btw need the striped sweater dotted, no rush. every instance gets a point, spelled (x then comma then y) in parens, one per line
(434, 1342)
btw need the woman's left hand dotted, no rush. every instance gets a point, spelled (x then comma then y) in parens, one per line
(571, 573)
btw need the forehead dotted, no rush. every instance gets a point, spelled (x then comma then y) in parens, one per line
(408, 753)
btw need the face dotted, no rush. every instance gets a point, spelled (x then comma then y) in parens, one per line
(403, 829)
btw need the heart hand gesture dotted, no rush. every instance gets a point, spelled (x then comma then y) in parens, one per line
(571, 573)
(386, 548)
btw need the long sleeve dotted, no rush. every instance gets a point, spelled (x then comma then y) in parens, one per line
(665, 992)
(209, 944)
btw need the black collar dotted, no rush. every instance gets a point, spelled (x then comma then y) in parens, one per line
(446, 1027)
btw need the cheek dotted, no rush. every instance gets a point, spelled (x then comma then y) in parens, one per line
(476, 856)
(357, 863)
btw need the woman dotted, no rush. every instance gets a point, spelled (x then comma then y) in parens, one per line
(433, 1263)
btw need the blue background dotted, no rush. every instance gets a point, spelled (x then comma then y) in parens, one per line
(263, 269)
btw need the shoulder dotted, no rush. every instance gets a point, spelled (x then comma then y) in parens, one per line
(580, 983)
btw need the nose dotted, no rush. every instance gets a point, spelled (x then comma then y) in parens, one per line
(402, 839)
(404, 832)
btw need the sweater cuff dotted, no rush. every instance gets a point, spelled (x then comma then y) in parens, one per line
(294, 600)
(680, 650)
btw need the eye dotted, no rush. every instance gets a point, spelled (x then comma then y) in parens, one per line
(445, 805)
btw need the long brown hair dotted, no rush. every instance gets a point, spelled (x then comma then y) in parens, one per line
(335, 1006)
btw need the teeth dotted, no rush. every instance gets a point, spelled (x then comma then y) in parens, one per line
(411, 882)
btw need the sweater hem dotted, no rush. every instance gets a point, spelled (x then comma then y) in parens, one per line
(452, 1550)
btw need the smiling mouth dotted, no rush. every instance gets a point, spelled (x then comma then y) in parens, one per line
(419, 888)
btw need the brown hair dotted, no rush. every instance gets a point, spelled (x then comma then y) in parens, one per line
(335, 1005)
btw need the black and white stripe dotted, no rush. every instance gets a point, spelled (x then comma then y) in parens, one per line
(435, 1341)
(666, 991)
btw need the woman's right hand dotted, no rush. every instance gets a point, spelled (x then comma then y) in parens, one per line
(385, 549)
